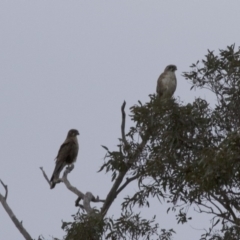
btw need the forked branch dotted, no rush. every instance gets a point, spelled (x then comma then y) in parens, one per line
(132, 158)
(87, 198)
(128, 180)
(18, 224)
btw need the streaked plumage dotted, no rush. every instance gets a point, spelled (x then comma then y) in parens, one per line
(167, 82)
(67, 155)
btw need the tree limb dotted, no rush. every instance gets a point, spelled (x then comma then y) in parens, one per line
(68, 184)
(113, 192)
(128, 180)
(132, 157)
(6, 190)
(226, 214)
(125, 142)
(81, 196)
(45, 176)
(10, 213)
(225, 203)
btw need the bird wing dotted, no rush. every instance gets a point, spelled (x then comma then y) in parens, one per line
(67, 152)
(160, 85)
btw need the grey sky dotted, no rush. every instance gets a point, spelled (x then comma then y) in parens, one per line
(70, 64)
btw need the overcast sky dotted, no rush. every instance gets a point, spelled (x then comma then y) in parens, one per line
(71, 64)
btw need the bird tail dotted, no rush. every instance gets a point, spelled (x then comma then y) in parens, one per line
(58, 168)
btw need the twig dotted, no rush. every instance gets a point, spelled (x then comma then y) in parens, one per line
(10, 213)
(126, 145)
(123, 124)
(128, 180)
(226, 205)
(6, 190)
(45, 176)
(77, 203)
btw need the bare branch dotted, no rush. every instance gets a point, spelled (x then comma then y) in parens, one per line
(77, 203)
(6, 190)
(126, 146)
(226, 215)
(128, 180)
(45, 176)
(86, 202)
(10, 213)
(215, 205)
(68, 184)
(81, 196)
(87, 198)
(225, 202)
(112, 193)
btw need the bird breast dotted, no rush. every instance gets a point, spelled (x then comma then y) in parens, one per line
(170, 82)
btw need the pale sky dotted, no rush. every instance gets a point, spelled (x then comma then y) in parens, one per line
(71, 64)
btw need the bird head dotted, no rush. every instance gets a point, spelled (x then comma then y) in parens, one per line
(171, 68)
(73, 133)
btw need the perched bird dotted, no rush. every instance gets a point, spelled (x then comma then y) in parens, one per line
(67, 155)
(167, 82)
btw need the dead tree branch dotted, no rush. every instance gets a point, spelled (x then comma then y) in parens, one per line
(19, 226)
(68, 184)
(6, 190)
(45, 176)
(126, 146)
(81, 196)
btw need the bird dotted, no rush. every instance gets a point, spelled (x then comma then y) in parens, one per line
(167, 82)
(67, 155)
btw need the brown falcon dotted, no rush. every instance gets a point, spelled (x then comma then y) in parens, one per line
(167, 82)
(67, 155)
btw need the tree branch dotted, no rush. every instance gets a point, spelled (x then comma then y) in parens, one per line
(226, 214)
(225, 202)
(45, 176)
(125, 142)
(68, 184)
(128, 180)
(133, 157)
(81, 196)
(10, 213)
(113, 192)
(6, 190)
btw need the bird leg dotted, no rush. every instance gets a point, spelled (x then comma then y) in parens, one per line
(70, 167)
